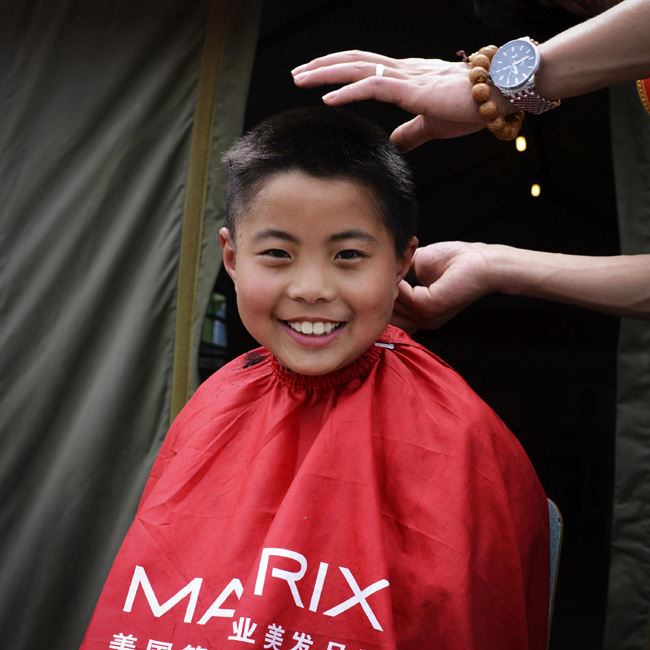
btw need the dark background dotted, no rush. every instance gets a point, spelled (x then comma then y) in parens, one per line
(547, 369)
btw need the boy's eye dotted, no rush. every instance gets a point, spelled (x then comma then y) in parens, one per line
(349, 255)
(276, 252)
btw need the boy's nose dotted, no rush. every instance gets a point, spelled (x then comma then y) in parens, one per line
(311, 284)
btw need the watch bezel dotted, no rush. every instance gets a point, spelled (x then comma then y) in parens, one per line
(531, 75)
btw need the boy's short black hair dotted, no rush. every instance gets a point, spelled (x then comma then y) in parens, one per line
(326, 143)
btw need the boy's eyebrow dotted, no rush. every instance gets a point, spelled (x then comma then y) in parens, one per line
(353, 233)
(275, 233)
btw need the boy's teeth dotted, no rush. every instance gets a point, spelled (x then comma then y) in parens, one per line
(317, 329)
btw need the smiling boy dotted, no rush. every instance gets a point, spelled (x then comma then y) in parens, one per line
(339, 488)
(315, 270)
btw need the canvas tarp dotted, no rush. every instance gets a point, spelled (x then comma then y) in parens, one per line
(628, 613)
(113, 116)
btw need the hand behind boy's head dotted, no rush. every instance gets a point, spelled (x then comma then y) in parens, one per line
(314, 258)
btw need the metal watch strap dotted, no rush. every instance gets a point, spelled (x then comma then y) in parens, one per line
(530, 102)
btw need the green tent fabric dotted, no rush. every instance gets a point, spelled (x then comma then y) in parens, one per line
(113, 119)
(628, 609)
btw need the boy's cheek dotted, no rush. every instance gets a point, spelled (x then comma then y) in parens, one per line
(253, 298)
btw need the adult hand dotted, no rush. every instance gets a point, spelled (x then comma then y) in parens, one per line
(436, 91)
(455, 274)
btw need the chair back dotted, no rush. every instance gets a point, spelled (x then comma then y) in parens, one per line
(556, 531)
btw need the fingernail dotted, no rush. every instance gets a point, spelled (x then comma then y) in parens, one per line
(297, 70)
(329, 96)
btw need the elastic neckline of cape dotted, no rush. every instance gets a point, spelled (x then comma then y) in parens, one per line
(358, 369)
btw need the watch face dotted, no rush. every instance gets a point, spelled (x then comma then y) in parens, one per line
(514, 64)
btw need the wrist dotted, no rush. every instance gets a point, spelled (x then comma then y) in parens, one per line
(510, 270)
(506, 107)
(555, 77)
(490, 263)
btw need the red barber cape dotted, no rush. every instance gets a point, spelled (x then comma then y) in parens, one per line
(382, 506)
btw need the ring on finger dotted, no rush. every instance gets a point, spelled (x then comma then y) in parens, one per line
(379, 69)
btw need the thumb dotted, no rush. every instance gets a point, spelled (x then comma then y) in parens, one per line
(416, 299)
(411, 134)
(423, 128)
(417, 308)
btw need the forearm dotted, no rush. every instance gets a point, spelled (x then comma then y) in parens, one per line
(618, 285)
(608, 49)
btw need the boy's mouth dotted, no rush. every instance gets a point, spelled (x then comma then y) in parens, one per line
(319, 328)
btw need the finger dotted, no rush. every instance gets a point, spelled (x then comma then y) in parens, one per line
(342, 73)
(415, 310)
(412, 310)
(383, 89)
(413, 133)
(422, 129)
(348, 56)
(412, 299)
(413, 303)
(404, 290)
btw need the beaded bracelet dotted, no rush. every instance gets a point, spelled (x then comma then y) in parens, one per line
(503, 128)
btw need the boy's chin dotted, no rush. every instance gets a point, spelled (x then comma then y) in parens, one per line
(307, 370)
(313, 368)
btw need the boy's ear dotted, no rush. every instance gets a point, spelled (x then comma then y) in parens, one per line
(404, 262)
(228, 248)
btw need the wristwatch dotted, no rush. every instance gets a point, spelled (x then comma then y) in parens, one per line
(513, 70)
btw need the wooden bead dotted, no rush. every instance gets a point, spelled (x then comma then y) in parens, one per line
(478, 75)
(516, 118)
(480, 93)
(496, 124)
(508, 133)
(480, 60)
(489, 51)
(488, 110)
(502, 128)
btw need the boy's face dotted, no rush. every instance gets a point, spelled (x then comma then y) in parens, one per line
(315, 271)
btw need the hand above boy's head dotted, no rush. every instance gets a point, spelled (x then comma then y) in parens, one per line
(321, 216)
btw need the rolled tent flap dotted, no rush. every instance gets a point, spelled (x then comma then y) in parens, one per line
(110, 143)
